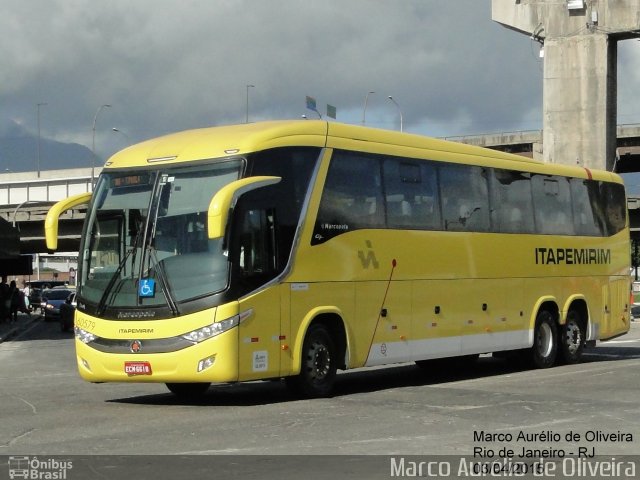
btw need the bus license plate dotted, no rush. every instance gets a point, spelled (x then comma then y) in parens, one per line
(137, 368)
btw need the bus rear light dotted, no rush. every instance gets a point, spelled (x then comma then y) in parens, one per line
(206, 363)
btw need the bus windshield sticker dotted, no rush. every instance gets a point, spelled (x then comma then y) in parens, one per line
(147, 288)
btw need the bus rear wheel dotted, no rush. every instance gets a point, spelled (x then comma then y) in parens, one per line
(188, 390)
(544, 351)
(319, 364)
(572, 338)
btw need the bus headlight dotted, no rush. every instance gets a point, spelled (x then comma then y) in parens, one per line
(84, 336)
(212, 330)
(201, 334)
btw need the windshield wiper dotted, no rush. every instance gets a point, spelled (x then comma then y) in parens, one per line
(162, 277)
(102, 304)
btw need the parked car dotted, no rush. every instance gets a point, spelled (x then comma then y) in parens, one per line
(35, 298)
(51, 301)
(67, 312)
(36, 288)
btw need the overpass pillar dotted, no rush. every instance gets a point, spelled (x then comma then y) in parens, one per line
(580, 71)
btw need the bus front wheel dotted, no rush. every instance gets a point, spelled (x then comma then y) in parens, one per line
(545, 341)
(318, 369)
(188, 390)
(571, 338)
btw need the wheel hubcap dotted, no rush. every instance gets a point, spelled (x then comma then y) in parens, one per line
(573, 337)
(318, 361)
(545, 340)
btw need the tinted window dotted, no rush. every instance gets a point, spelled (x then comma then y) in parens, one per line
(511, 202)
(465, 198)
(429, 195)
(552, 201)
(588, 214)
(56, 294)
(411, 195)
(614, 200)
(352, 196)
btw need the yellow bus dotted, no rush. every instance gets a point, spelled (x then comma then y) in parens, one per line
(294, 249)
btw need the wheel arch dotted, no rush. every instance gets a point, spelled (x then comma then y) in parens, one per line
(547, 303)
(331, 318)
(579, 304)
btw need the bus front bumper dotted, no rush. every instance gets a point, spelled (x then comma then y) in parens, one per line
(213, 360)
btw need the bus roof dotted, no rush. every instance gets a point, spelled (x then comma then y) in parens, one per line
(237, 140)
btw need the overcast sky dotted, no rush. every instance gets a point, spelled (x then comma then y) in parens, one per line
(168, 65)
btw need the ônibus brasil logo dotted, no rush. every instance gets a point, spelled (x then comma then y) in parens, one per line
(34, 468)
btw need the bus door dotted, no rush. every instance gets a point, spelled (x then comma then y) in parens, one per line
(259, 333)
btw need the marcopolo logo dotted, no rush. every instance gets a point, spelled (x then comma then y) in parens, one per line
(38, 469)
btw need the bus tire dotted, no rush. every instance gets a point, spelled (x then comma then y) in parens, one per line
(544, 351)
(319, 364)
(188, 390)
(572, 338)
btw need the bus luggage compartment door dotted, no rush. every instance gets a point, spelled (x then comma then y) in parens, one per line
(615, 318)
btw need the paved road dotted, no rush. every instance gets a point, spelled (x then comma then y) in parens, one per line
(48, 410)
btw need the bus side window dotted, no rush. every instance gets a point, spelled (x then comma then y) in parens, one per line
(552, 201)
(511, 202)
(587, 209)
(465, 198)
(613, 197)
(352, 196)
(410, 189)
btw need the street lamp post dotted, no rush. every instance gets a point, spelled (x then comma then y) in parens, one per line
(38, 146)
(399, 111)
(247, 103)
(364, 110)
(117, 130)
(93, 143)
(15, 211)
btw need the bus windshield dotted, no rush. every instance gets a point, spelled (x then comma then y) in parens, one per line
(146, 241)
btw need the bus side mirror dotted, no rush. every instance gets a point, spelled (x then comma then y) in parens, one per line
(225, 199)
(53, 216)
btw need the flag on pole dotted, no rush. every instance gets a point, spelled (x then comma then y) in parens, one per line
(311, 105)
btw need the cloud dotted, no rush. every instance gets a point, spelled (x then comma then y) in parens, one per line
(168, 65)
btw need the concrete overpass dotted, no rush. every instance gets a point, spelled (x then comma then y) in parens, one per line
(26, 197)
(529, 143)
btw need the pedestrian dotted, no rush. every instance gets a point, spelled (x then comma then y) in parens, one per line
(5, 301)
(26, 291)
(14, 299)
(18, 303)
